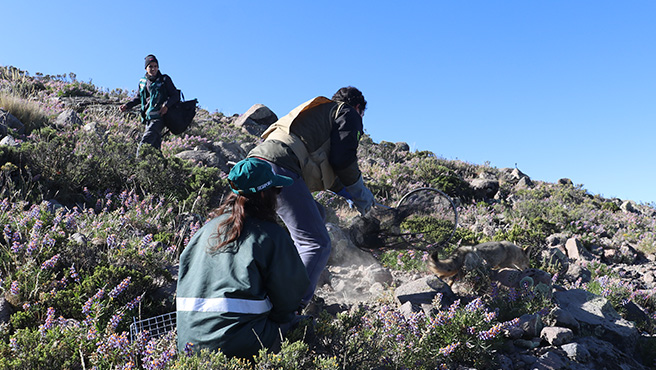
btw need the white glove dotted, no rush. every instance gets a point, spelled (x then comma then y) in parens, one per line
(362, 197)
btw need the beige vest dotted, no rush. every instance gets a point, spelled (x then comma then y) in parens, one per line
(316, 170)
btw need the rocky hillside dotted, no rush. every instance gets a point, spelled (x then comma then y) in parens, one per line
(68, 166)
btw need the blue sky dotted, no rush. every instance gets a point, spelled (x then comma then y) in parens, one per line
(557, 88)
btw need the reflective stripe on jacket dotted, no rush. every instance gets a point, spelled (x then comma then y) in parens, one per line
(231, 305)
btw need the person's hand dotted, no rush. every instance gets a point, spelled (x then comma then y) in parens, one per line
(123, 108)
(362, 197)
(163, 110)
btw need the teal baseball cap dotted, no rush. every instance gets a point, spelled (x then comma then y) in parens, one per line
(252, 175)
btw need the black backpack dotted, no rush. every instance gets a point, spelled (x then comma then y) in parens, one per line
(179, 116)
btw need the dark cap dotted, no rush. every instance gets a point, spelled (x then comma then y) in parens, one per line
(150, 58)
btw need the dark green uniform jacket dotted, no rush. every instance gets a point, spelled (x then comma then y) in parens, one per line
(234, 299)
(154, 93)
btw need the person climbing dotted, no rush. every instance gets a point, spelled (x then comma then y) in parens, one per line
(316, 145)
(157, 94)
(240, 280)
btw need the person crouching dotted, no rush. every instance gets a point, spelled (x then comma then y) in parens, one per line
(240, 279)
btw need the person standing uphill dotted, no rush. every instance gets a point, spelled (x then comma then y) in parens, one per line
(156, 95)
(316, 145)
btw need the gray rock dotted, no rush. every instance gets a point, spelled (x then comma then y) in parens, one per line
(67, 119)
(576, 352)
(556, 336)
(596, 316)
(531, 325)
(9, 121)
(9, 141)
(576, 272)
(79, 239)
(629, 206)
(256, 120)
(565, 181)
(233, 151)
(564, 319)
(557, 239)
(424, 291)
(484, 188)
(260, 114)
(402, 146)
(550, 361)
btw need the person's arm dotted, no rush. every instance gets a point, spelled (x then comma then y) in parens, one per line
(344, 142)
(132, 103)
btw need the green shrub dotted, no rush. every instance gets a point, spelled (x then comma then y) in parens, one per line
(77, 89)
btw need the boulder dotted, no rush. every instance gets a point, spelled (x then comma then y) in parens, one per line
(598, 317)
(9, 121)
(256, 120)
(68, 118)
(423, 291)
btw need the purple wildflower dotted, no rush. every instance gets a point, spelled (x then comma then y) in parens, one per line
(50, 263)
(189, 349)
(120, 287)
(445, 351)
(50, 318)
(15, 290)
(96, 297)
(74, 274)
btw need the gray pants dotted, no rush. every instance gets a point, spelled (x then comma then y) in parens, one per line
(153, 134)
(305, 220)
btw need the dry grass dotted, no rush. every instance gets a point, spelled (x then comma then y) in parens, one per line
(28, 112)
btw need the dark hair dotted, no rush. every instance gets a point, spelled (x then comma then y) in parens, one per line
(351, 96)
(261, 205)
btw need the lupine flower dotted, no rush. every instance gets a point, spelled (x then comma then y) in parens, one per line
(146, 240)
(7, 232)
(50, 317)
(16, 247)
(96, 297)
(26, 306)
(445, 351)
(189, 349)
(38, 224)
(50, 263)
(120, 287)
(474, 305)
(92, 333)
(133, 303)
(74, 274)
(13, 344)
(115, 320)
(15, 290)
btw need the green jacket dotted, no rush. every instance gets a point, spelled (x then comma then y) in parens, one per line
(154, 94)
(233, 299)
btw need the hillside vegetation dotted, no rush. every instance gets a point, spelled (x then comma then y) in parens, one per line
(90, 236)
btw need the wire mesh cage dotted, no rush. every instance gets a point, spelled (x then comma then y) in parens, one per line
(155, 326)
